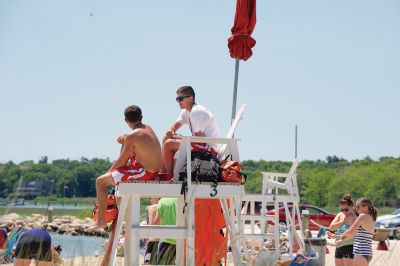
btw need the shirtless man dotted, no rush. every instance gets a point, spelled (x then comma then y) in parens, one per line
(142, 148)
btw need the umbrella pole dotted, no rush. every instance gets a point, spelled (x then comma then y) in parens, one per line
(235, 84)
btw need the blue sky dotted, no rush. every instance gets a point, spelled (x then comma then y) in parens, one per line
(69, 68)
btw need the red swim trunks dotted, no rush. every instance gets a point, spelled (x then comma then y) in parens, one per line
(135, 171)
(197, 146)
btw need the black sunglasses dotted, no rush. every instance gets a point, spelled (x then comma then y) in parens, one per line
(180, 98)
(344, 209)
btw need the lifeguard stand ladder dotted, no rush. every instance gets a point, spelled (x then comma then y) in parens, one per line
(129, 209)
(278, 190)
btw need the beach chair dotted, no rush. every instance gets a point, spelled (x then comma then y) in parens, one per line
(278, 190)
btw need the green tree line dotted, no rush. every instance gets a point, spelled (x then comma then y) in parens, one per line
(72, 178)
(321, 182)
(324, 182)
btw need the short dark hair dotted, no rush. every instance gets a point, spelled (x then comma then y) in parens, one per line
(187, 90)
(133, 113)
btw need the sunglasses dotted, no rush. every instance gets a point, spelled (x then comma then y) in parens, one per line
(359, 206)
(181, 98)
(344, 209)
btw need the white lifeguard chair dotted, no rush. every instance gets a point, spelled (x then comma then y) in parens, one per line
(278, 190)
(131, 192)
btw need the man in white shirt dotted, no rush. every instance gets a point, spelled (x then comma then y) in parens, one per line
(200, 121)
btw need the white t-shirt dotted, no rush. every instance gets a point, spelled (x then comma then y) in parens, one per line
(199, 119)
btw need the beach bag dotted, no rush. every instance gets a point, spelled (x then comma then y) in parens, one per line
(111, 211)
(205, 167)
(231, 171)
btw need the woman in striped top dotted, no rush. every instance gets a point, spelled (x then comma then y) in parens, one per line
(363, 230)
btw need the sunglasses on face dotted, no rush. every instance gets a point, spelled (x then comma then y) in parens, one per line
(344, 209)
(181, 98)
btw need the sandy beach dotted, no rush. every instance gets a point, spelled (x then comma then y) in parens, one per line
(380, 258)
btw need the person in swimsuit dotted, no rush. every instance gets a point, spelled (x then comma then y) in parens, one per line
(142, 148)
(363, 230)
(342, 222)
(35, 244)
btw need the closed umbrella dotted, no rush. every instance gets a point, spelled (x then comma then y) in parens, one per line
(241, 42)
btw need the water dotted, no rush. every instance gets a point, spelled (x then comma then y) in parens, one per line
(45, 206)
(76, 246)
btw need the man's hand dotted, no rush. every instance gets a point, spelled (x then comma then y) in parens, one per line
(121, 139)
(169, 134)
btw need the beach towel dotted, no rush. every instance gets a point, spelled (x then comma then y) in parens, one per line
(3, 237)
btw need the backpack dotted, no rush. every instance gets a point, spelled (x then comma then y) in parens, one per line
(231, 171)
(205, 167)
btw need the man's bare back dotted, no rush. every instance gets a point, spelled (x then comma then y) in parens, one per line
(145, 147)
(141, 144)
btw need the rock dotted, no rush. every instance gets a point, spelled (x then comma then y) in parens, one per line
(53, 226)
(61, 221)
(11, 217)
(32, 225)
(76, 221)
(50, 229)
(38, 217)
(69, 231)
(80, 228)
(64, 227)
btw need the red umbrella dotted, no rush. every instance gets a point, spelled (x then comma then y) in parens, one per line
(241, 42)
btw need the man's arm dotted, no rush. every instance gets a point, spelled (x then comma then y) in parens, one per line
(172, 129)
(126, 152)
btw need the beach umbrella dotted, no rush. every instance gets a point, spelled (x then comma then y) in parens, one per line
(241, 42)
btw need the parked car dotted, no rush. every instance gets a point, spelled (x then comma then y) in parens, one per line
(317, 214)
(390, 221)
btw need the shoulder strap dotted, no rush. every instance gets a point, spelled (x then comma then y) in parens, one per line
(190, 125)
